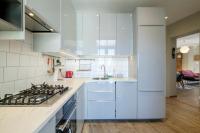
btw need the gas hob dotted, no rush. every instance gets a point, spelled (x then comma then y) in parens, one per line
(37, 95)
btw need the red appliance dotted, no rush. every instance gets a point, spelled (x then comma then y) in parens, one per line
(69, 74)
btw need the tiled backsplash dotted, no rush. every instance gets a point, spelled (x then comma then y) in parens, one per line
(20, 66)
(114, 67)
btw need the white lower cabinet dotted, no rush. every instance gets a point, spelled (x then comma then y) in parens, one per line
(126, 100)
(50, 127)
(80, 109)
(151, 105)
(101, 109)
(111, 100)
(100, 102)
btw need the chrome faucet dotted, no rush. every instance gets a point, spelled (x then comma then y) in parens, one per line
(104, 70)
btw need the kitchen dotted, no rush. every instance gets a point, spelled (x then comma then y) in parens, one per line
(112, 56)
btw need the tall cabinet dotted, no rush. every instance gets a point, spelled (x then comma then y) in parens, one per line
(150, 43)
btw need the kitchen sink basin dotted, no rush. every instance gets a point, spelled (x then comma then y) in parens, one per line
(97, 78)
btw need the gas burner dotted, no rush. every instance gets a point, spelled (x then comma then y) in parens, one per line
(35, 95)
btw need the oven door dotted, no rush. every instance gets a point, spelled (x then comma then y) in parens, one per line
(68, 123)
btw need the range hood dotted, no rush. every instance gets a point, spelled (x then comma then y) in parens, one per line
(34, 23)
(11, 18)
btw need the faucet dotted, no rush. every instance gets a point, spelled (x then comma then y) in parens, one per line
(104, 70)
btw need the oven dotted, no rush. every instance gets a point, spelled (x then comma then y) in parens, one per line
(66, 117)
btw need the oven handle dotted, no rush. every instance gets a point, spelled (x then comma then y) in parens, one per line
(66, 123)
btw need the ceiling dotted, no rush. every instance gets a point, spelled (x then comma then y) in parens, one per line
(191, 40)
(175, 9)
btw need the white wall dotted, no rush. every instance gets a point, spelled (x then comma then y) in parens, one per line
(20, 66)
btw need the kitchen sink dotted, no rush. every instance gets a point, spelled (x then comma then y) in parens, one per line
(98, 78)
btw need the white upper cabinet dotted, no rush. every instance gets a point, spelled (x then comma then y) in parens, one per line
(79, 34)
(105, 34)
(47, 42)
(68, 25)
(124, 34)
(63, 43)
(150, 16)
(108, 32)
(48, 10)
(90, 43)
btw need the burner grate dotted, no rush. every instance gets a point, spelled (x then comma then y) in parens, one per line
(35, 95)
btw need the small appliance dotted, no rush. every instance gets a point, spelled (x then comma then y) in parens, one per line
(69, 74)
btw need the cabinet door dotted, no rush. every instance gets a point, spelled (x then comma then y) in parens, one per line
(101, 110)
(48, 10)
(107, 44)
(150, 16)
(90, 34)
(80, 109)
(79, 34)
(50, 127)
(151, 105)
(126, 100)
(124, 34)
(68, 24)
(151, 58)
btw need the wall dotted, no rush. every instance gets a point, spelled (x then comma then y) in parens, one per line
(114, 67)
(188, 60)
(183, 27)
(20, 66)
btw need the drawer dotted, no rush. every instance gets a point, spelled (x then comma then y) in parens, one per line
(101, 95)
(101, 86)
(101, 110)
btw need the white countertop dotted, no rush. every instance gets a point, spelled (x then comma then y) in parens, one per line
(32, 119)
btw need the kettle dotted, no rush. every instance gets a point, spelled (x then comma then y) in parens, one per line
(69, 74)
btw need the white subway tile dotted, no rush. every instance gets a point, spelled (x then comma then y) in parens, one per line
(16, 46)
(29, 37)
(23, 73)
(31, 72)
(7, 88)
(1, 75)
(24, 60)
(10, 74)
(34, 60)
(29, 82)
(27, 49)
(20, 85)
(4, 45)
(2, 59)
(12, 59)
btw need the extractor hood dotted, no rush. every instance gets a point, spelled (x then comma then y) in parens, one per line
(11, 18)
(34, 23)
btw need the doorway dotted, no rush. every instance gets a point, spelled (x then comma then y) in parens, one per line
(188, 69)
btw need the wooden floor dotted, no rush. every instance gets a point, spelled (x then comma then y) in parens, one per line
(189, 95)
(181, 118)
